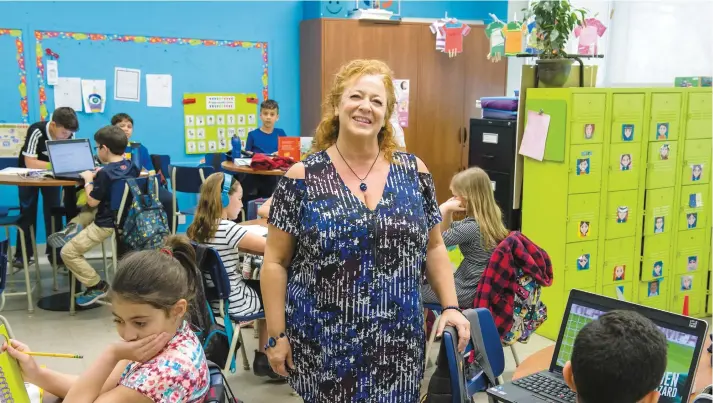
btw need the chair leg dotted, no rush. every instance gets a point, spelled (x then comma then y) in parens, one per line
(515, 356)
(106, 268)
(233, 344)
(114, 253)
(28, 284)
(2, 301)
(246, 362)
(37, 261)
(431, 339)
(72, 291)
(53, 261)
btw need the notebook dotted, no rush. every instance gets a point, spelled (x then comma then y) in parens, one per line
(12, 386)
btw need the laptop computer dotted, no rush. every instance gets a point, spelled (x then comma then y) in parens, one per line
(70, 158)
(686, 337)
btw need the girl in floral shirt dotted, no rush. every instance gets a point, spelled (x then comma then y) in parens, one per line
(159, 360)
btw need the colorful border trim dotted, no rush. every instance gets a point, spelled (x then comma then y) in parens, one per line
(156, 40)
(20, 57)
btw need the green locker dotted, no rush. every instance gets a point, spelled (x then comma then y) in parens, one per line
(581, 265)
(625, 163)
(654, 293)
(619, 264)
(585, 175)
(695, 208)
(700, 103)
(696, 162)
(622, 214)
(691, 252)
(665, 104)
(656, 261)
(659, 212)
(588, 105)
(661, 168)
(583, 217)
(695, 304)
(624, 292)
(627, 131)
(699, 128)
(664, 129)
(627, 105)
(588, 131)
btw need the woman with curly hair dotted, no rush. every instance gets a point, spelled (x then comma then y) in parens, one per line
(351, 230)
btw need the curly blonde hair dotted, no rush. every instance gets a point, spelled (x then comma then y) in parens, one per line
(328, 129)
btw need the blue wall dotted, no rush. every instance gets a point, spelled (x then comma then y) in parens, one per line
(464, 10)
(195, 69)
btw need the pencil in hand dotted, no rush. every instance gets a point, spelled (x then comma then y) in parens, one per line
(53, 355)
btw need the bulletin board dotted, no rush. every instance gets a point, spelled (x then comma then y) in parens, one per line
(13, 80)
(212, 119)
(12, 138)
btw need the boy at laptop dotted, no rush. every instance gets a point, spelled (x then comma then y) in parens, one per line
(618, 358)
(61, 126)
(110, 143)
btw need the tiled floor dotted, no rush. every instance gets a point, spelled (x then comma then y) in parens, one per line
(89, 332)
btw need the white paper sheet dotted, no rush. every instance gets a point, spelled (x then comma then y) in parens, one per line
(94, 95)
(68, 92)
(52, 72)
(159, 90)
(127, 84)
(18, 171)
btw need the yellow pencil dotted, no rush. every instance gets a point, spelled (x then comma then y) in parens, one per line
(54, 355)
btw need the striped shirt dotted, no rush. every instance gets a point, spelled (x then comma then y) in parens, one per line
(36, 143)
(243, 299)
(440, 36)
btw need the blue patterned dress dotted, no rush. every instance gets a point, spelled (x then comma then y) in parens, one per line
(354, 312)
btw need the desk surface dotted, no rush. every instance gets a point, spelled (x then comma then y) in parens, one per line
(230, 166)
(17, 180)
(540, 361)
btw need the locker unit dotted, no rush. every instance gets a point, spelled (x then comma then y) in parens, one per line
(626, 212)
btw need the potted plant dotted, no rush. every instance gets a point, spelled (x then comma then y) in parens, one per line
(554, 20)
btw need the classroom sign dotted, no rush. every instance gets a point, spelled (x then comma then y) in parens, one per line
(212, 119)
(12, 137)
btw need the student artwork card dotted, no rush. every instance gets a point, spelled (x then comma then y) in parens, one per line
(241, 132)
(220, 120)
(696, 172)
(127, 84)
(620, 293)
(589, 131)
(583, 166)
(191, 133)
(658, 225)
(619, 272)
(622, 214)
(664, 152)
(241, 120)
(583, 262)
(94, 95)
(68, 92)
(692, 220)
(695, 200)
(200, 120)
(210, 120)
(221, 132)
(653, 290)
(534, 137)
(661, 131)
(191, 146)
(159, 90)
(686, 283)
(583, 229)
(222, 144)
(212, 146)
(692, 263)
(658, 269)
(200, 133)
(190, 120)
(251, 119)
(52, 72)
(627, 132)
(625, 162)
(231, 132)
(201, 146)
(231, 120)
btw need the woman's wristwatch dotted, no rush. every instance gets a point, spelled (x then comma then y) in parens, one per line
(272, 341)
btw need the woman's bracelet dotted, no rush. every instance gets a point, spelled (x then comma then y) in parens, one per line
(455, 308)
(272, 341)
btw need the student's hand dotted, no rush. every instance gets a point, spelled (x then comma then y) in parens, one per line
(88, 176)
(141, 350)
(451, 317)
(280, 356)
(17, 350)
(452, 205)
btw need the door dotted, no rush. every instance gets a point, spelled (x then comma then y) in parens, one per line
(694, 210)
(662, 163)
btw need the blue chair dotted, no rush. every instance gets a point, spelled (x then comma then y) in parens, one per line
(212, 268)
(191, 180)
(161, 163)
(215, 160)
(436, 309)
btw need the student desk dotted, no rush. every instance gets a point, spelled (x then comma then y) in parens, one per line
(540, 361)
(240, 169)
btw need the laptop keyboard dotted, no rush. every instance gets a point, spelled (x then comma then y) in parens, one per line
(547, 388)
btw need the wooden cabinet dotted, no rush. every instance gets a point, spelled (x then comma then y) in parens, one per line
(443, 90)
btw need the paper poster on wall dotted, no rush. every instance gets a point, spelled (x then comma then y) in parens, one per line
(94, 95)
(127, 84)
(159, 90)
(217, 117)
(12, 138)
(535, 136)
(68, 92)
(52, 72)
(401, 110)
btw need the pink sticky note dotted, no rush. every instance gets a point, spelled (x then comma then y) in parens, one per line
(535, 135)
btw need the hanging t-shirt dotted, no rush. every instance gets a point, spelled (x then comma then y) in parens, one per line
(589, 35)
(454, 34)
(494, 32)
(513, 38)
(440, 37)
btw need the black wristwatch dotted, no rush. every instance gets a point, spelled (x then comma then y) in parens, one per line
(272, 341)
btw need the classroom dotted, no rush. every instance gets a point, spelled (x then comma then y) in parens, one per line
(355, 201)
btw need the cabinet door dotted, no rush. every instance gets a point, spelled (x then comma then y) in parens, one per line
(656, 262)
(664, 128)
(700, 103)
(695, 303)
(627, 131)
(654, 293)
(659, 212)
(622, 292)
(583, 217)
(665, 104)
(619, 264)
(581, 266)
(625, 163)
(692, 251)
(585, 171)
(662, 164)
(695, 208)
(588, 105)
(699, 128)
(689, 284)
(587, 131)
(696, 162)
(622, 214)
(627, 105)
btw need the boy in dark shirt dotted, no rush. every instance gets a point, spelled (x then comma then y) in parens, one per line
(618, 358)
(264, 139)
(61, 126)
(110, 143)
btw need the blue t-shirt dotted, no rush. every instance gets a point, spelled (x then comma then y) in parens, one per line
(264, 143)
(101, 191)
(144, 157)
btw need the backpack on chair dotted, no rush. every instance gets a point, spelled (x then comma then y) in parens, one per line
(146, 224)
(529, 312)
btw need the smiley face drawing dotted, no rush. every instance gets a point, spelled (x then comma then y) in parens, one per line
(333, 7)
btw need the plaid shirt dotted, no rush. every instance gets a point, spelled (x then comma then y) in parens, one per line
(497, 287)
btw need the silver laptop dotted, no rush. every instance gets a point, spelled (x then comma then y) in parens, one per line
(70, 158)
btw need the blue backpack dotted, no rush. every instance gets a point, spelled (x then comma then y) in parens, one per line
(146, 223)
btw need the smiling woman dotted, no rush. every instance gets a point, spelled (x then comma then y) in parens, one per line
(351, 229)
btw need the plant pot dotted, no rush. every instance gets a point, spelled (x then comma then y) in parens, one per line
(554, 72)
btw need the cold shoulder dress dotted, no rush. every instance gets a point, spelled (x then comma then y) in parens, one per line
(354, 313)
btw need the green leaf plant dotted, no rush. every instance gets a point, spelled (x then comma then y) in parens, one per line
(555, 20)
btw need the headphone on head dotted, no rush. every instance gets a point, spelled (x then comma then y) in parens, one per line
(705, 397)
(227, 184)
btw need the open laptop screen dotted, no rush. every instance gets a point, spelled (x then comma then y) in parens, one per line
(70, 156)
(685, 340)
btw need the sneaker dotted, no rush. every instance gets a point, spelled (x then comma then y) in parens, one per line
(261, 367)
(60, 238)
(92, 294)
(18, 266)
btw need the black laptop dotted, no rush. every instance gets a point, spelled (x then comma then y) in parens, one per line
(70, 158)
(686, 337)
